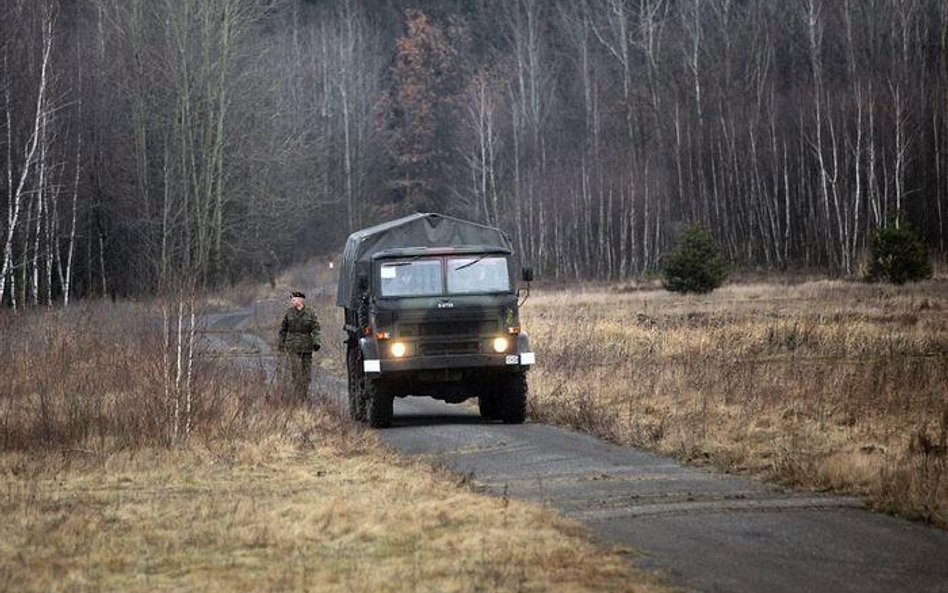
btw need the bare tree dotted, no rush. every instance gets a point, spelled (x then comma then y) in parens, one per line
(34, 143)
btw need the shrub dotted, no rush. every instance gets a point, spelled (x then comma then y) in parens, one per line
(696, 264)
(897, 255)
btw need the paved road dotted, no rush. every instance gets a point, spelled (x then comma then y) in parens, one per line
(703, 530)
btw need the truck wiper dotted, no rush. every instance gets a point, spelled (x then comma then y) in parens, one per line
(471, 263)
(398, 264)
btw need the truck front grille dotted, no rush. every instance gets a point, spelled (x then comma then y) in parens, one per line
(446, 348)
(448, 328)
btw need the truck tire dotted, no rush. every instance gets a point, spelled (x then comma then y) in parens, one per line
(378, 402)
(513, 403)
(356, 384)
(489, 405)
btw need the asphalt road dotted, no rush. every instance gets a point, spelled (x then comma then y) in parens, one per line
(701, 529)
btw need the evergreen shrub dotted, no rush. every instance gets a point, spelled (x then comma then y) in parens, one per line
(696, 264)
(897, 255)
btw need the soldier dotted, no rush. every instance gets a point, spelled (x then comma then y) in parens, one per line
(299, 338)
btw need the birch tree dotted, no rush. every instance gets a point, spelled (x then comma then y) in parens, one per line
(29, 153)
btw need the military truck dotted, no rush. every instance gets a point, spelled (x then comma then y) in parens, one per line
(432, 309)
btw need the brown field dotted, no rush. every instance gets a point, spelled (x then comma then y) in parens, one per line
(826, 385)
(97, 495)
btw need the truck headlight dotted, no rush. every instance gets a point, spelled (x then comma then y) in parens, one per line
(398, 349)
(500, 344)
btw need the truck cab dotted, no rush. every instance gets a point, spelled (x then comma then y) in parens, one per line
(434, 312)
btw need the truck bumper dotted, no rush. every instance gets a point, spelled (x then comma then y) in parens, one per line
(375, 365)
(469, 361)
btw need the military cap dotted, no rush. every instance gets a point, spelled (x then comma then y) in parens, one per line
(297, 293)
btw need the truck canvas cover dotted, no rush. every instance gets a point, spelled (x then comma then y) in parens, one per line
(416, 231)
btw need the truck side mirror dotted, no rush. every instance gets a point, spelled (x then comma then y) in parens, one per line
(528, 274)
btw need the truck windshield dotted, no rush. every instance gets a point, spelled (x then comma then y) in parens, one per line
(420, 277)
(467, 275)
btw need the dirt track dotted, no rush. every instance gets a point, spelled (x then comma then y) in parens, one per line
(704, 530)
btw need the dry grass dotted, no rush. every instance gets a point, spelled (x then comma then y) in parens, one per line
(262, 496)
(824, 384)
(272, 516)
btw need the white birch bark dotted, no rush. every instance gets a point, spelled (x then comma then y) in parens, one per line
(29, 160)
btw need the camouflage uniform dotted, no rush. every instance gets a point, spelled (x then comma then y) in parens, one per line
(299, 338)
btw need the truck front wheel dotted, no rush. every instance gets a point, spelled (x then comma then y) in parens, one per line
(513, 399)
(356, 384)
(378, 402)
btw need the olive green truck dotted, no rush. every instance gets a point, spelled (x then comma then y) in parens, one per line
(432, 309)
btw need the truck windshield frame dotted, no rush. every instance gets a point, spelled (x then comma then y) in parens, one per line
(425, 277)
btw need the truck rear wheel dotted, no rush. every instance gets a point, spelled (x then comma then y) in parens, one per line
(378, 402)
(513, 402)
(356, 384)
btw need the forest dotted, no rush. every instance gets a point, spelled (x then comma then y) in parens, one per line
(148, 142)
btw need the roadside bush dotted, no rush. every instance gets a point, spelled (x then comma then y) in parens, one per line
(898, 256)
(696, 264)
(100, 376)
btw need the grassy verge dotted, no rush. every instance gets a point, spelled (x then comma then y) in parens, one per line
(96, 492)
(826, 385)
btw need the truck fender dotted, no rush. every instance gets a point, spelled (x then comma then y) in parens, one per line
(371, 361)
(527, 357)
